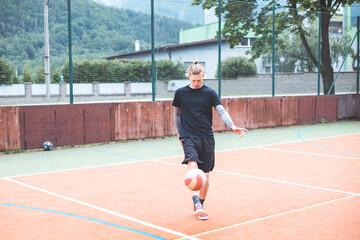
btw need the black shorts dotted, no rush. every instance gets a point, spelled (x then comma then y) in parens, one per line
(200, 150)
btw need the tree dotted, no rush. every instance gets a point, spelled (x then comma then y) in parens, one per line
(26, 74)
(6, 73)
(40, 75)
(55, 76)
(292, 56)
(244, 16)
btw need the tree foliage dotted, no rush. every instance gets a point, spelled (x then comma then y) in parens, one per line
(40, 76)
(55, 76)
(253, 15)
(292, 55)
(26, 77)
(6, 73)
(97, 31)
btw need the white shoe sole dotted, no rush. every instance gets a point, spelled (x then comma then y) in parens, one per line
(199, 212)
(203, 218)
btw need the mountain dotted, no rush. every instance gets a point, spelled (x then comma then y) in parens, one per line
(97, 31)
(176, 9)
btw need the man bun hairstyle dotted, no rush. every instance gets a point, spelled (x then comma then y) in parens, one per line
(196, 68)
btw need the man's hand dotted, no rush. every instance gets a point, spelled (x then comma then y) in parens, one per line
(240, 131)
(179, 139)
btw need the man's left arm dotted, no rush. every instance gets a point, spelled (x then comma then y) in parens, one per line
(224, 115)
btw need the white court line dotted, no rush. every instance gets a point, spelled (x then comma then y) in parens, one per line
(76, 169)
(308, 153)
(267, 179)
(115, 164)
(295, 141)
(272, 216)
(285, 182)
(184, 236)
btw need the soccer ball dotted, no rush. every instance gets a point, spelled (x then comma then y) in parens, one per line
(47, 146)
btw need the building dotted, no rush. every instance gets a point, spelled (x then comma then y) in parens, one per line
(201, 43)
(205, 51)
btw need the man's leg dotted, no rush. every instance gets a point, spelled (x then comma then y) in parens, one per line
(198, 209)
(202, 196)
(204, 190)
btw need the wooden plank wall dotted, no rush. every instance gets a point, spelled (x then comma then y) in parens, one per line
(66, 124)
(280, 111)
(9, 128)
(134, 120)
(27, 127)
(349, 106)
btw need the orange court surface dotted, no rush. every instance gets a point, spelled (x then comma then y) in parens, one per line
(290, 183)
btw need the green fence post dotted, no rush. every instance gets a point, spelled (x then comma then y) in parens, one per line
(152, 51)
(71, 73)
(219, 50)
(273, 49)
(319, 54)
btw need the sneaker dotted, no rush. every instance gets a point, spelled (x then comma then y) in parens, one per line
(204, 216)
(198, 210)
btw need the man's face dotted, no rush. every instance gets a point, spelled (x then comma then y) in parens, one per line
(196, 80)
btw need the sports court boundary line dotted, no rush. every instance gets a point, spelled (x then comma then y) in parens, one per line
(307, 153)
(159, 160)
(184, 236)
(85, 218)
(77, 169)
(321, 146)
(153, 159)
(295, 141)
(274, 215)
(267, 179)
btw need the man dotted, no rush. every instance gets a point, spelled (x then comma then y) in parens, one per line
(193, 119)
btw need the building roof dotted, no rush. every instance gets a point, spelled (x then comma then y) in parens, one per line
(166, 48)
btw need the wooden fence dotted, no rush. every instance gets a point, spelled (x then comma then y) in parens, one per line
(28, 127)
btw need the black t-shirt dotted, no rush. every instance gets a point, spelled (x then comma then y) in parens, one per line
(196, 110)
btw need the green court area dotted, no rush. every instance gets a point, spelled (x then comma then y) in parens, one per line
(74, 157)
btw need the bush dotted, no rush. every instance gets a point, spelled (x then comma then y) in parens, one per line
(237, 66)
(133, 71)
(6, 73)
(122, 70)
(167, 70)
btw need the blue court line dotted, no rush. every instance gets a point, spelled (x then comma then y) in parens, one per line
(86, 218)
(106, 152)
(317, 145)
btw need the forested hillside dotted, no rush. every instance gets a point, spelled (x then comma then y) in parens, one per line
(97, 31)
(176, 9)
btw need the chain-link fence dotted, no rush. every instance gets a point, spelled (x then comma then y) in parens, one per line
(97, 50)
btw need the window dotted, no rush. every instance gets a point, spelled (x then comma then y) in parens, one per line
(252, 40)
(246, 42)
